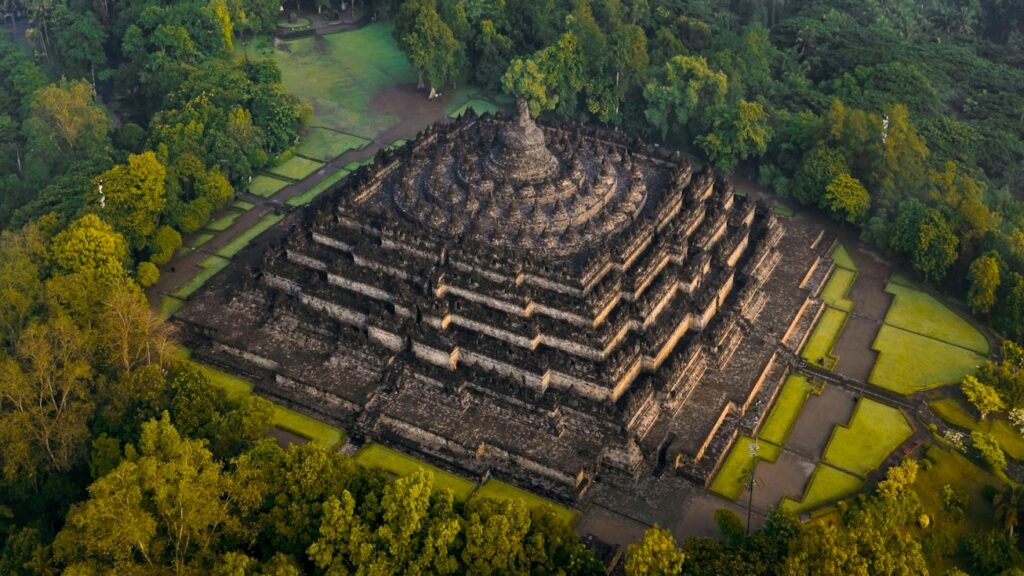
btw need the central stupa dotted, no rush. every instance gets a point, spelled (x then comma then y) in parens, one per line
(547, 303)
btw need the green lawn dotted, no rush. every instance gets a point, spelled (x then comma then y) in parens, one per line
(223, 223)
(818, 349)
(826, 485)
(308, 196)
(502, 491)
(953, 411)
(478, 105)
(909, 363)
(399, 464)
(326, 144)
(783, 210)
(169, 305)
(241, 241)
(243, 205)
(785, 411)
(208, 268)
(730, 479)
(265, 186)
(841, 256)
(341, 77)
(284, 418)
(200, 239)
(952, 468)
(837, 287)
(874, 431)
(917, 311)
(296, 168)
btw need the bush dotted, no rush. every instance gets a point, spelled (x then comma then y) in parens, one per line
(147, 274)
(166, 242)
(992, 552)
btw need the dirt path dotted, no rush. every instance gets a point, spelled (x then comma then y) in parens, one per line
(414, 113)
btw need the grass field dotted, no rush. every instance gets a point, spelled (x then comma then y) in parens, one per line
(919, 312)
(209, 267)
(224, 222)
(309, 195)
(818, 349)
(953, 469)
(399, 464)
(500, 490)
(340, 74)
(200, 239)
(909, 363)
(954, 412)
(478, 105)
(296, 168)
(874, 431)
(837, 287)
(730, 479)
(265, 186)
(841, 256)
(169, 305)
(325, 144)
(243, 205)
(313, 430)
(241, 241)
(785, 411)
(826, 485)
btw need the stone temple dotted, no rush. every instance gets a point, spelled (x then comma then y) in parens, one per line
(558, 306)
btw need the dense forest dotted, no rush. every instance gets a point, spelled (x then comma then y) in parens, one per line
(900, 118)
(125, 123)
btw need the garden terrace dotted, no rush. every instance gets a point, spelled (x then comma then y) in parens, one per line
(542, 302)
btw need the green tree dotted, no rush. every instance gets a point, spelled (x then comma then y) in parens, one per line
(819, 167)
(847, 199)
(131, 196)
(898, 478)
(551, 79)
(983, 397)
(1007, 505)
(737, 134)
(655, 555)
(905, 154)
(983, 278)
(165, 506)
(428, 42)
(64, 122)
(493, 52)
(90, 245)
(988, 448)
(688, 86)
(166, 241)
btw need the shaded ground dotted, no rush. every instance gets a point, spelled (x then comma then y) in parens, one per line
(821, 413)
(285, 438)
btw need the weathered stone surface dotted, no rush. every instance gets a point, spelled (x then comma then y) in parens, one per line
(552, 304)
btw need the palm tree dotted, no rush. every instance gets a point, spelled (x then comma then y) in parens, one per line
(1007, 506)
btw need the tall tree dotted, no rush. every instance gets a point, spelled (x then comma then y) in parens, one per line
(64, 122)
(655, 555)
(131, 196)
(983, 278)
(688, 86)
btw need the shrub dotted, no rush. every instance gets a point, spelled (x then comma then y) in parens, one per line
(147, 274)
(988, 448)
(166, 242)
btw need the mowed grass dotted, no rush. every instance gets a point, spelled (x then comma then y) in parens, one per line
(199, 240)
(242, 240)
(266, 186)
(325, 144)
(340, 73)
(315, 431)
(224, 222)
(841, 256)
(502, 491)
(399, 464)
(478, 105)
(208, 268)
(874, 431)
(909, 362)
(309, 195)
(788, 404)
(826, 485)
(954, 412)
(837, 287)
(818, 349)
(918, 311)
(730, 481)
(296, 168)
(169, 305)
